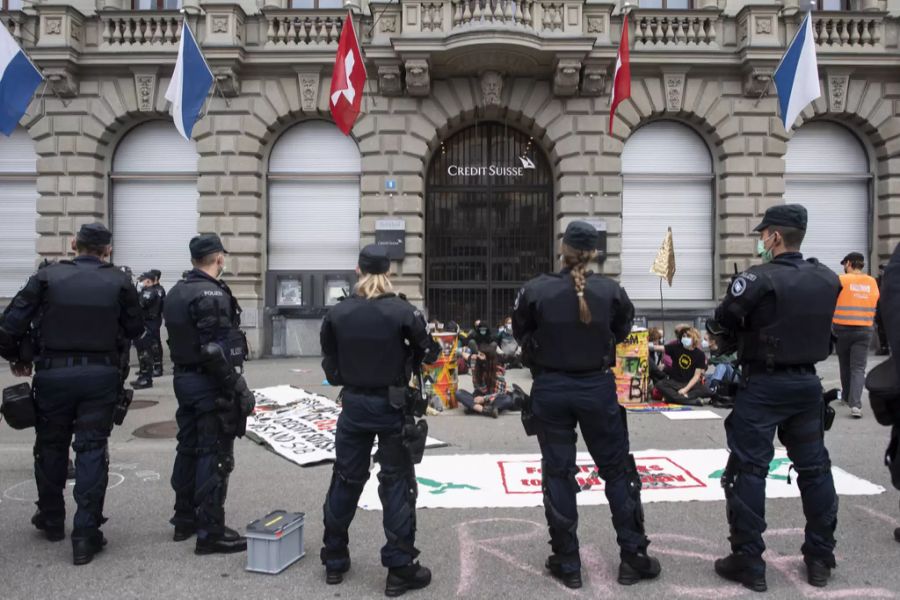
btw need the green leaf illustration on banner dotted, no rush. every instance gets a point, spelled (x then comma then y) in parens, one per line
(440, 488)
(776, 464)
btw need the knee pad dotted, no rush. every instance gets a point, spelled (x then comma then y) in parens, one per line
(88, 445)
(734, 468)
(225, 464)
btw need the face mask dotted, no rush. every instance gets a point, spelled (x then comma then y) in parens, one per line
(686, 342)
(508, 328)
(705, 344)
(761, 250)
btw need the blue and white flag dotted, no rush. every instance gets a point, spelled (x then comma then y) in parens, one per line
(797, 75)
(19, 78)
(190, 83)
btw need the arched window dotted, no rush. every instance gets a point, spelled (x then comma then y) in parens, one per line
(314, 200)
(827, 171)
(667, 182)
(18, 210)
(154, 200)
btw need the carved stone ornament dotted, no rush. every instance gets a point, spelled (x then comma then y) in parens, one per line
(75, 31)
(593, 81)
(220, 24)
(389, 80)
(309, 91)
(53, 25)
(145, 88)
(389, 24)
(837, 92)
(565, 79)
(756, 81)
(227, 81)
(764, 25)
(674, 90)
(491, 88)
(418, 78)
(62, 82)
(596, 24)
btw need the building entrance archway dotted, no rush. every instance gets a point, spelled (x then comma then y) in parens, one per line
(488, 221)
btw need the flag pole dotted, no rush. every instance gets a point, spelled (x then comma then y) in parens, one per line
(662, 307)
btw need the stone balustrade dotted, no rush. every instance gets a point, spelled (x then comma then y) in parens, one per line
(533, 16)
(298, 29)
(671, 28)
(843, 30)
(134, 30)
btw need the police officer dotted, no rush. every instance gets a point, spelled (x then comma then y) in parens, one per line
(80, 309)
(890, 305)
(156, 347)
(778, 315)
(203, 319)
(568, 324)
(371, 341)
(148, 345)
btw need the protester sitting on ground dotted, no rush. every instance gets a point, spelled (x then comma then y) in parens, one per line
(684, 381)
(722, 364)
(492, 394)
(654, 359)
(508, 347)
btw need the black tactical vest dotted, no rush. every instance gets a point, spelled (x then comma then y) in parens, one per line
(561, 341)
(81, 307)
(215, 307)
(800, 330)
(371, 347)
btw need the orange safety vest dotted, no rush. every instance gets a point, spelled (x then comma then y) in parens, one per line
(856, 304)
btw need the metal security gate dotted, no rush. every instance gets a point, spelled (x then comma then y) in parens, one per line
(489, 223)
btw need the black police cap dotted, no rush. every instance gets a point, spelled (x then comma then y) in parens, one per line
(94, 234)
(206, 244)
(146, 275)
(581, 235)
(156, 273)
(786, 215)
(854, 257)
(373, 259)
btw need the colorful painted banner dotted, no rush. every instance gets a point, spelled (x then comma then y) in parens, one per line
(514, 480)
(298, 425)
(632, 367)
(441, 377)
(648, 407)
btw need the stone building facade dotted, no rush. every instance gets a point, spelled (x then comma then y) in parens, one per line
(534, 72)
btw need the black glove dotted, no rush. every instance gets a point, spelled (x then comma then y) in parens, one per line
(244, 398)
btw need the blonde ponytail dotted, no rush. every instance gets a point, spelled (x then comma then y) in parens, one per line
(371, 285)
(577, 261)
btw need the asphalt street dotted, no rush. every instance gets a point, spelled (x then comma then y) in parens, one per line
(474, 553)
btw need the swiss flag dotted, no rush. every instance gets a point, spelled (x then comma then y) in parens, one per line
(622, 74)
(348, 79)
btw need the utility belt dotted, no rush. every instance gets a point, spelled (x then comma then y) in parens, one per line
(188, 369)
(62, 362)
(756, 368)
(383, 391)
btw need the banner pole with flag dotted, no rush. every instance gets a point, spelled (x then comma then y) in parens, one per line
(664, 267)
(348, 79)
(797, 75)
(190, 84)
(19, 79)
(621, 88)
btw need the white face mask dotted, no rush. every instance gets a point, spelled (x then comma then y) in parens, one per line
(686, 342)
(705, 344)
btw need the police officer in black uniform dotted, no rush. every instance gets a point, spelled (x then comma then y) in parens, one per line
(203, 323)
(890, 407)
(778, 316)
(148, 345)
(156, 347)
(568, 324)
(371, 342)
(79, 309)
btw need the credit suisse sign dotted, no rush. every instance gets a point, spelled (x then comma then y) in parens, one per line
(526, 164)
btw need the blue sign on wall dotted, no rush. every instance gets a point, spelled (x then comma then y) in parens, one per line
(390, 185)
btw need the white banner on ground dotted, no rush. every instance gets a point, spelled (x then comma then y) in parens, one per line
(514, 480)
(297, 424)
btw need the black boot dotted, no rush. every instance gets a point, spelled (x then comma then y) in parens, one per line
(571, 579)
(635, 567)
(336, 576)
(897, 534)
(183, 532)
(740, 568)
(53, 531)
(142, 382)
(157, 370)
(85, 544)
(489, 410)
(818, 571)
(227, 542)
(401, 579)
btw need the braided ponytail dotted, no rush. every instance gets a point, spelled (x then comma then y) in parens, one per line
(577, 261)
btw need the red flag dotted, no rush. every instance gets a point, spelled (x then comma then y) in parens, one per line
(347, 80)
(622, 74)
